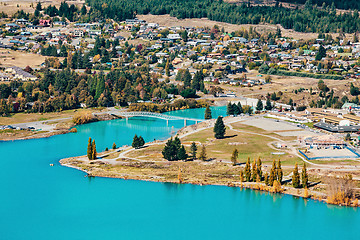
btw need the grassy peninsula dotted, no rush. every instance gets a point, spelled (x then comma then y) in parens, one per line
(218, 168)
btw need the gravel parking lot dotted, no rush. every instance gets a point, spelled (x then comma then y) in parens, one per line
(271, 124)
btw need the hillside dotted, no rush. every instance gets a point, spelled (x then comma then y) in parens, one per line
(307, 19)
(340, 4)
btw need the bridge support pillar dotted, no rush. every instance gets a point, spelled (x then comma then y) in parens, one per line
(185, 122)
(167, 122)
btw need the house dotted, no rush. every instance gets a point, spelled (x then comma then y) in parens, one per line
(135, 21)
(44, 22)
(4, 77)
(22, 21)
(60, 23)
(78, 33)
(174, 37)
(18, 73)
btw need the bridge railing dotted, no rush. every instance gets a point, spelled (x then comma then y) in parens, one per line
(156, 115)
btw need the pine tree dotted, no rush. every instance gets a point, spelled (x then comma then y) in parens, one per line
(187, 78)
(254, 171)
(230, 109)
(304, 177)
(100, 87)
(89, 149)
(141, 141)
(242, 176)
(259, 105)
(240, 108)
(203, 156)
(193, 150)
(268, 105)
(219, 128)
(259, 170)
(94, 153)
(135, 143)
(182, 153)
(266, 178)
(208, 113)
(248, 171)
(279, 172)
(272, 176)
(236, 109)
(114, 146)
(170, 151)
(296, 177)
(234, 157)
(167, 68)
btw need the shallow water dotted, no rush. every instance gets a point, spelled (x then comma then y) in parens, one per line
(42, 202)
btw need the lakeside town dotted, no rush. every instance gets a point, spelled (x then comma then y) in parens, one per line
(302, 93)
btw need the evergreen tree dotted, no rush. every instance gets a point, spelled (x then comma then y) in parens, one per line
(167, 68)
(248, 171)
(254, 171)
(187, 78)
(272, 176)
(38, 6)
(114, 146)
(234, 157)
(135, 142)
(202, 155)
(236, 109)
(320, 54)
(208, 113)
(94, 153)
(182, 153)
(230, 109)
(170, 151)
(239, 107)
(259, 170)
(141, 141)
(83, 10)
(193, 150)
(219, 128)
(278, 32)
(89, 149)
(296, 177)
(304, 177)
(100, 87)
(184, 35)
(268, 105)
(259, 105)
(279, 172)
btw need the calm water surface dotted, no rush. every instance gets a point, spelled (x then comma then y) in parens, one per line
(42, 202)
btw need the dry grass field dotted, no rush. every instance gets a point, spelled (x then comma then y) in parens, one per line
(12, 6)
(21, 59)
(33, 117)
(287, 85)
(168, 21)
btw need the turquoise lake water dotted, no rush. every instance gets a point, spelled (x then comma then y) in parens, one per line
(42, 202)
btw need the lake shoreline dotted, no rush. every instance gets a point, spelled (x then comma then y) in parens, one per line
(286, 190)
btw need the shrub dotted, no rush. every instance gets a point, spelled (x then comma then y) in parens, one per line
(83, 117)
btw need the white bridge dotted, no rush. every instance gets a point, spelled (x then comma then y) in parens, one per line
(168, 118)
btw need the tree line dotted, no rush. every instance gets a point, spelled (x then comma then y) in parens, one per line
(348, 4)
(307, 19)
(66, 89)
